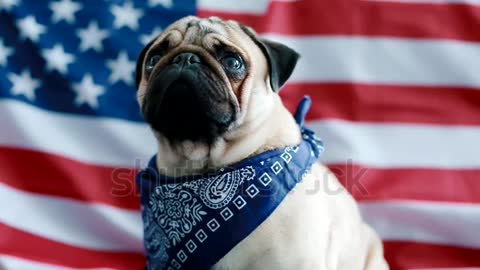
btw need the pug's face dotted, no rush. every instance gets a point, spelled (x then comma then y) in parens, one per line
(203, 79)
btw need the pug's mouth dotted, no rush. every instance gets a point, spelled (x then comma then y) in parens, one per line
(189, 103)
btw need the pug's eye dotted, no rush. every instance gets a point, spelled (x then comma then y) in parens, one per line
(152, 62)
(232, 62)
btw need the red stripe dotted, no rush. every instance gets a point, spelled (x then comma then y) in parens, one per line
(56, 175)
(367, 184)
(366, 18)
(20, 244)
(408, 255)
(387, 103)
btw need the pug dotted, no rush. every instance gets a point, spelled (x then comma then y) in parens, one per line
(227, 188)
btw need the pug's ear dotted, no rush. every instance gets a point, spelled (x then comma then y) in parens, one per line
(141, 57)
(281, 58)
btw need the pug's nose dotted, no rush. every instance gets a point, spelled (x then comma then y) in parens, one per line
(186, 59)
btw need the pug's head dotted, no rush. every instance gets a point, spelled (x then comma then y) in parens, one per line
(202, 79)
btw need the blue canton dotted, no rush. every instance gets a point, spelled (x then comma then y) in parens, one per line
(78, 56)
(192, 222)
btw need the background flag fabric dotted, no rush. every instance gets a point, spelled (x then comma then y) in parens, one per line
(395, 88)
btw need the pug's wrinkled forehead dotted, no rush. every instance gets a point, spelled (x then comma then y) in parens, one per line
(193, 30)
(211, 34)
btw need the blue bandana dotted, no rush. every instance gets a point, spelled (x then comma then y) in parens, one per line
(192, 222)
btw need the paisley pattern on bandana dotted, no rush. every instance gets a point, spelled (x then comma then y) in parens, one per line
(175, 210)
(216, 192)
(178, 208)
(193, 223)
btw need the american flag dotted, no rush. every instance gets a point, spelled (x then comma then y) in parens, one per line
(395, 87)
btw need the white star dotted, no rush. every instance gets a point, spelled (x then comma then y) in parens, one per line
(8, 4)
(24, 84)
(5, 52)
(30, 28)
(122, 69)
(64, 10)
(57, 59)
(145, 39)
(126, 15)
(92, 37)
(87, 92)
(164, 3)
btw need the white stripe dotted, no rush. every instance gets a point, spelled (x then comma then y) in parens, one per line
(470, 2)
(399, 145)
(101, 141)
(385, 60)
(438, 223)
(121, 143)
(14, 263)
(98, 227)
(234, 6)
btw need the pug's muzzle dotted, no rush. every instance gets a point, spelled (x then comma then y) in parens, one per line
(185, 100)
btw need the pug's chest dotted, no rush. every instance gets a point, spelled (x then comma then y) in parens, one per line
(296, 236)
